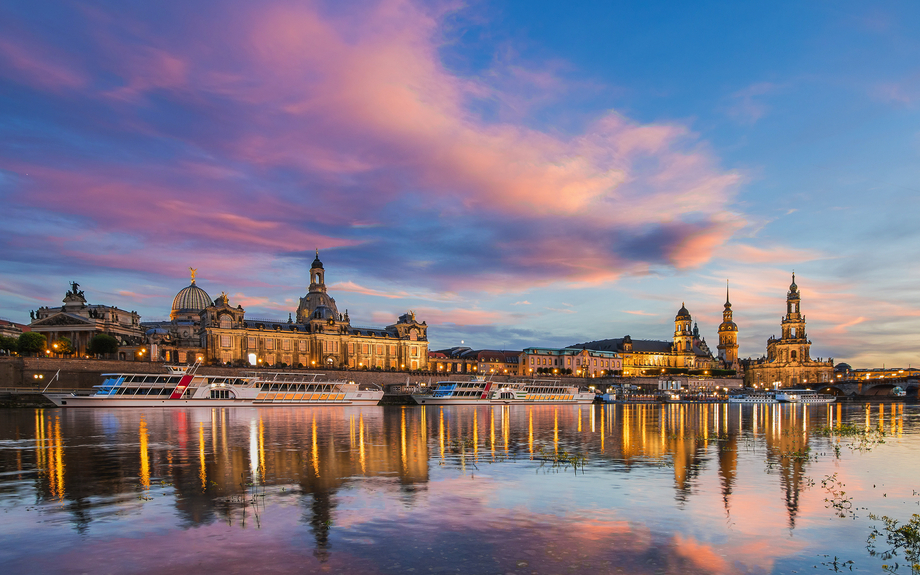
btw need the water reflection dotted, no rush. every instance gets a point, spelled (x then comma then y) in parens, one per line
(365, 467)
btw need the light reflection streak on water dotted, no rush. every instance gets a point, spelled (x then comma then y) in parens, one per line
(402, 439)
(530, 429)
(506, 426)
(579, 420)
(202, 467)
(315, 449)
(441, 431)
(492, 430)
(145, 458)
(40, 439)
(361, 443)
(261, 448)
(254, 451)
(603, 410)
(593, 415)
(476, 434)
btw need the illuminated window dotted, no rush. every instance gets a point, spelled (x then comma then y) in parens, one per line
(251, 342)
(225, 341)
(269, 344)
(286, 344)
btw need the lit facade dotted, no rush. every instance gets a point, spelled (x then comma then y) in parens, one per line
(639, 357)
(571, 361)
(79, 322)
(788, 361)
(320, 337)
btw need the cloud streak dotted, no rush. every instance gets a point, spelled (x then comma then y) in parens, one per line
(271, 131)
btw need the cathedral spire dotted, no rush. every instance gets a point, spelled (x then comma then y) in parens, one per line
(727, 302)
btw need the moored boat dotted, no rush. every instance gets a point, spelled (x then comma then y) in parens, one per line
(807, 396)
(479, 390)
(182, 387)
(753, 397)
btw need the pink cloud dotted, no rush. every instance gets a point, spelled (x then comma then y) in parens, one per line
(352, 111)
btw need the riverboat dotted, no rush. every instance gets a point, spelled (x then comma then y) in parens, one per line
(479, 390)
(182, 387)
(753, 397)
(803, 396)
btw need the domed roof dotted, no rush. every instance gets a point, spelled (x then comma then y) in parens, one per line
(191, 298)
(792, 287)
(682, 313)
(316, 263)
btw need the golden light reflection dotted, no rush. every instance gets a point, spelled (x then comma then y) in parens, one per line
(492, 429)
(402, 441)
(58, 458)
(261, 447)
(361, 454)
(476, 433)
(145, 459)
(315, 449)
(593, 415)
(579, 420)
(530, 429)
(40, 438)
(441, 431)
(555, 430)
(202, 473)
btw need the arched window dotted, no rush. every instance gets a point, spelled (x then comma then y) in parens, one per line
(225, 322)
(793, 355)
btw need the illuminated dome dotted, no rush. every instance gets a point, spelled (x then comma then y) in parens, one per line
(190, 300)
(682, 313)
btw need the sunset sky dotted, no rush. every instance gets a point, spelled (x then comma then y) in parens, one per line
(518, 173)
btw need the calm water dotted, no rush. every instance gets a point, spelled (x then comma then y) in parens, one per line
(662, 489)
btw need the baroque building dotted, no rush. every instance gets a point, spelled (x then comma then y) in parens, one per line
(728, 336)
(686, 350)
(79, 321)
(788, 361)
(319, 337)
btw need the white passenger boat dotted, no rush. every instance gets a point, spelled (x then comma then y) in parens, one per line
(479, 390)
(803, 396)
(184, 388)
(753, 397)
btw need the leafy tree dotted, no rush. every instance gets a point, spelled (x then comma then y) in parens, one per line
(102, 344)
(9, 344)
(32, 342)
(64, 346)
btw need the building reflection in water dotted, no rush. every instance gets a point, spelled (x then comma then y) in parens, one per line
(212, 460)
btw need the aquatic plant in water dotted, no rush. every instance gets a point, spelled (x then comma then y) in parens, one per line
(900, 539)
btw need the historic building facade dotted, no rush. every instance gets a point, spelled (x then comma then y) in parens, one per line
(728, 337)
(788, 361)
(470, 361)
(687, 350)
(79, 322)
(319, 337)
(571, 361)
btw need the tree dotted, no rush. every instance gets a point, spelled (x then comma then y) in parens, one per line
(64, 346)
(102, 344)
(32, 342)
(9, 344)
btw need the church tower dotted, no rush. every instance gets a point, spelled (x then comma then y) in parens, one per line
(317, 304)
(728, 335)
(793, 346)
(683, 336)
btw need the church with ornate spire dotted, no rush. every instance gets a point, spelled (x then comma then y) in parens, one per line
(728, 336)
(788, 362)
(315, 335)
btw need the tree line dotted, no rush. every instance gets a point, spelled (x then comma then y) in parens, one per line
(34, 344)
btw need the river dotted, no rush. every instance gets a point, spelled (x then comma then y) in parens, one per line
(680, 488)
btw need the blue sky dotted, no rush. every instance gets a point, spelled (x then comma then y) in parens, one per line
(519, 173)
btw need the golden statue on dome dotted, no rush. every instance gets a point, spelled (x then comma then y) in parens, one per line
(193, 270)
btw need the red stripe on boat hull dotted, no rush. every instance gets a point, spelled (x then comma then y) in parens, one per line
(180, 389)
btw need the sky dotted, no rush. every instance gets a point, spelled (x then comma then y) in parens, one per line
(517, 173)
